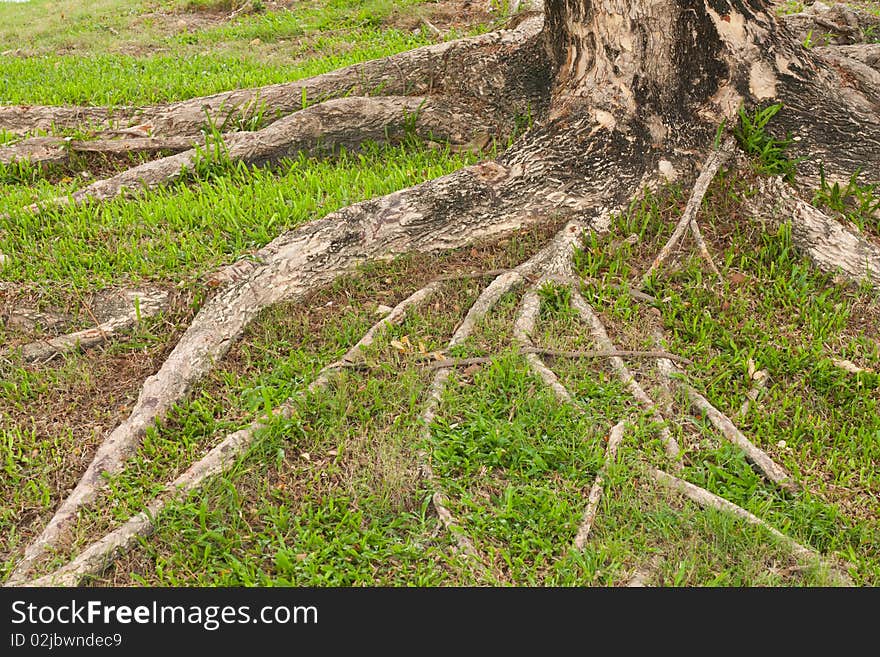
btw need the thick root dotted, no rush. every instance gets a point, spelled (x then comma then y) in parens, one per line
(436, 68)
(478, 202)
(830, 246)
(860, 75)
(55, 150)
(837, 23)
(336, 124)
(523, 327)
(866, 53)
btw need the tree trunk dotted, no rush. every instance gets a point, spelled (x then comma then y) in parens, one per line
(667, 73)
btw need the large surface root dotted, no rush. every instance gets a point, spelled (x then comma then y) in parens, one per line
(477, 202)
(343, 123)
(832, 23)
(56, 150)
(440, 68)
(830, 246)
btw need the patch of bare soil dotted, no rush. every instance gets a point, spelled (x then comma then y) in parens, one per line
(444, 16)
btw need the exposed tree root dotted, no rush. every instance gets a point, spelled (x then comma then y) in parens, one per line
(143, 305)
(557, 254)
(558, 353)
(99, 555)
(55, 150)
(523, 327)
(838, 23)
(849, 366)
(706, 499)
(600, 336)
(614, 440)
(340, 123)
(37, 150)
(866, 53)
(435, 68)
(415, 219)
(830, 246)
(864, 78)
(758, 457)
(689, 216)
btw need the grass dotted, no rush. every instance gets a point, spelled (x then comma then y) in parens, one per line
(163, 234)
(161, 61)
(332, 495)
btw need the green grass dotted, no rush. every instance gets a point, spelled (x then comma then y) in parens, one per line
(173, 64)
(164, 234)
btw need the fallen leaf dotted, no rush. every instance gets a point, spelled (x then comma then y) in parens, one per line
(470, 370)
(849, 366)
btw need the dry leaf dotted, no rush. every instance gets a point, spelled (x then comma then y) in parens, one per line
(470, 370)
(849, 366)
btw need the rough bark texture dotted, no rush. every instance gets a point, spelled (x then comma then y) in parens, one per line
(825, 241)
(494, 68)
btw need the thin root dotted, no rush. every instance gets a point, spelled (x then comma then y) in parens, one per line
(709, 500)
(595, 496)
(100, 554)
